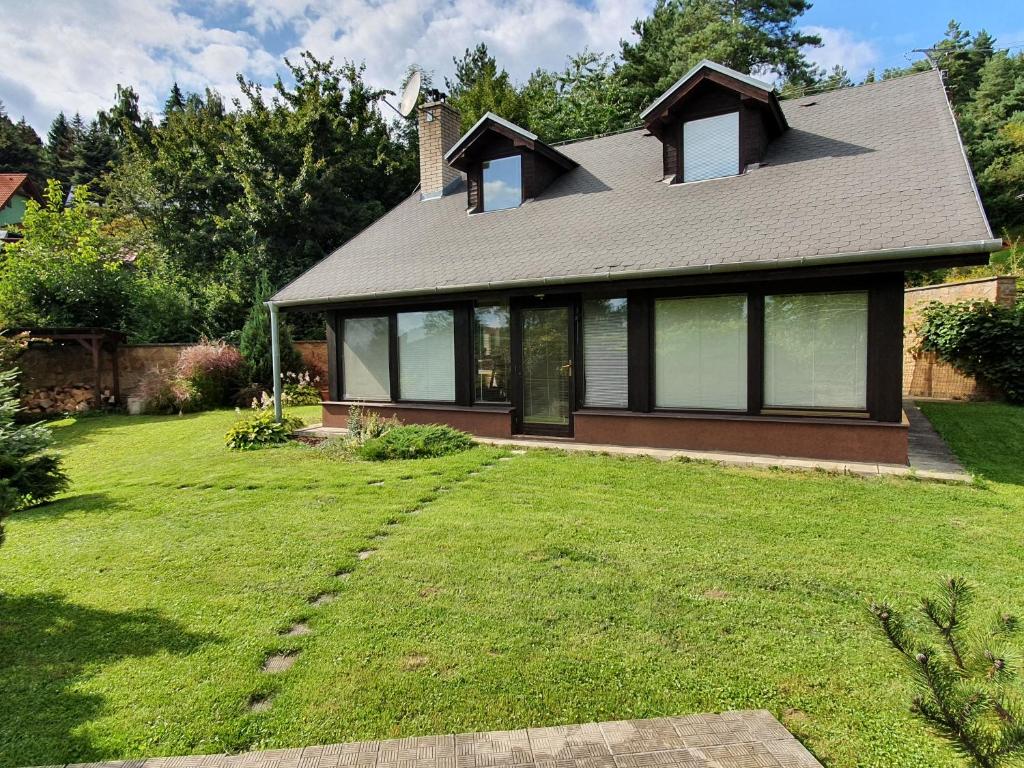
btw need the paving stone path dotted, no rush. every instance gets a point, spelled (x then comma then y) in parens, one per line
(747, 739)
(281, 661)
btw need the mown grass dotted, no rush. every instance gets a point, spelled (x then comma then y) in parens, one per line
(541, 589)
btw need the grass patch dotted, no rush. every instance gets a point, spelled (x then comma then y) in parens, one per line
(552, 588)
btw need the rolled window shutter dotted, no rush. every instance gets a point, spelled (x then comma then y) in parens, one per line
(711, 147)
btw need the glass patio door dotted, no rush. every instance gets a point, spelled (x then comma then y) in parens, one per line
(547, 370)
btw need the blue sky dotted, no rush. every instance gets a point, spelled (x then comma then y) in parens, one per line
(70, 54)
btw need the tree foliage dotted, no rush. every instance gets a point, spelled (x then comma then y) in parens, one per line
(750, 36)
(967, 689)
(62, 273)
(479, 87)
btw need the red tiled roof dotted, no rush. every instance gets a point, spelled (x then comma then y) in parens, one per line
(10, 183)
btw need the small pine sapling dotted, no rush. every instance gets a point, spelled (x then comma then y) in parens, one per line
(967, 689)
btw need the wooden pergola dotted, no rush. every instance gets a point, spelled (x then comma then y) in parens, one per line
(95, 340)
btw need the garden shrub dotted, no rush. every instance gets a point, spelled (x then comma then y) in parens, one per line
(300, 389)
(212, 369)
(259, 428)
(982, 339)
(163, 393)
(28, 475)
(415, 441)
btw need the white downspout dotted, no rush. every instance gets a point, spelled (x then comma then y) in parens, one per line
(275, 356)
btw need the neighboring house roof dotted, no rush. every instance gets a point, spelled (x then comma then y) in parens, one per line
(864, 173)
(17, 183)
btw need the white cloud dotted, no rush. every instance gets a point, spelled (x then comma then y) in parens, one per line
(69, 55)
(839, 46)
(522, 35)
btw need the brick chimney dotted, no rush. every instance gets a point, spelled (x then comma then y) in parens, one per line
(440, 127)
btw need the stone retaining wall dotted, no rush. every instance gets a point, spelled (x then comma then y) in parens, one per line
(923, 374)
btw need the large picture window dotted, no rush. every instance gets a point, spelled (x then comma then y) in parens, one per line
(700, 353)
(711, 147)
(365, 359)
(503, 183)
(492, 347)
(816, 350)
(605, 361)
(426, 355)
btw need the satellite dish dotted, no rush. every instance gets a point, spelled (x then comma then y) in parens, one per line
(410, 94)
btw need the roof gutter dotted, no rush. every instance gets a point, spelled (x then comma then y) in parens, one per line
(855, 257)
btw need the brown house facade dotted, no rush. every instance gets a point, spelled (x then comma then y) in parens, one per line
(728, 277)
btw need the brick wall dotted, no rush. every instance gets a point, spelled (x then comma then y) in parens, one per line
(58, 365)
(438, 134)
(923, 374)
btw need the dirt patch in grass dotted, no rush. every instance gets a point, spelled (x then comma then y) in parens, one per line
(415, 661)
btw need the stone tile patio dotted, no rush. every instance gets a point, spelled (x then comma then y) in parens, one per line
(747, 739)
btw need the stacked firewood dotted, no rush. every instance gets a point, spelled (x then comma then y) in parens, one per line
(73, 398)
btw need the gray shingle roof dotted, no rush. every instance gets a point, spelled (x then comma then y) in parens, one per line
(861, 170)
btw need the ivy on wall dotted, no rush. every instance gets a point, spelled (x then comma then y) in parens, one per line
(981, 339)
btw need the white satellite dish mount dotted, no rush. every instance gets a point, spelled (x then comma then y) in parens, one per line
(410, 95)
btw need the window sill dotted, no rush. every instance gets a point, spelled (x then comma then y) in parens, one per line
(421, 405)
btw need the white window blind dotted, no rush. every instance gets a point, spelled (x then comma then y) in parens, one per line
(711, 147)
(605, 361)
(426, 355)
(365, 358)
(700, 353)
(816, 350)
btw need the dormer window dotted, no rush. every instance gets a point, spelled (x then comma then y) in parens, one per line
(505, 165)
(714, 122)
(502, 183)
(711, 147)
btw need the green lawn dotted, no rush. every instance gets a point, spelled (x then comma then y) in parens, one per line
(541, 589)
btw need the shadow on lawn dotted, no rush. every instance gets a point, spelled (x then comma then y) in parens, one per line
(76, 502)
(47, 646)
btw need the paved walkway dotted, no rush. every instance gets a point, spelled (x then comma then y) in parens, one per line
(924, 463)
(928, 451)
(748, 739)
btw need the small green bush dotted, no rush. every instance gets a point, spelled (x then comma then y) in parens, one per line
(415, 441)
(982, 339)
(259, 428)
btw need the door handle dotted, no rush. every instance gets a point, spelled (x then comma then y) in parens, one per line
(567, 368)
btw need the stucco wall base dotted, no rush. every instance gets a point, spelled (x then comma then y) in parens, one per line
(810, 438)
(485, 422)
(807, 438)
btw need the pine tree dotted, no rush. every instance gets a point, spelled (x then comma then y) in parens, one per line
(480, 87)
(255, 343)
(746, 35)
(21, 149)
(60, 149)
(966, 685)
(175, 102)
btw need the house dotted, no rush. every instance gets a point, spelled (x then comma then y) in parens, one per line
(16, 189)
(727, 277)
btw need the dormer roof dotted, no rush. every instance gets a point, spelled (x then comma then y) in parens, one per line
(706, 70)
(520, 137)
